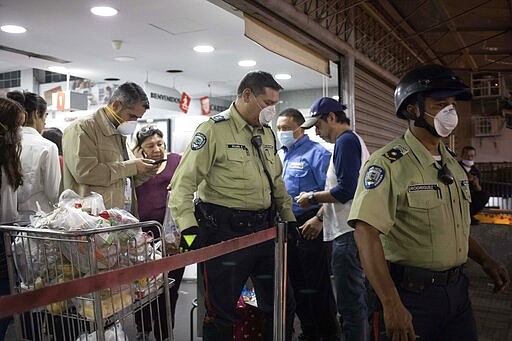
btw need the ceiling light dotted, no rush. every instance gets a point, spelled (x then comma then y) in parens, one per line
(13, 29)
(246, 63)
(124, 59)
(58, 69)
(104, 11)
(283, 76)
(204, 48)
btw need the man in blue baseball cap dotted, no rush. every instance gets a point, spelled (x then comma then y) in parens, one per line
(350, 153)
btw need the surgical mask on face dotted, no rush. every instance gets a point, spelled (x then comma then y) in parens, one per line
(127, 127)
(286, 138)
(266, 114)
(445, 121)
(468, 163)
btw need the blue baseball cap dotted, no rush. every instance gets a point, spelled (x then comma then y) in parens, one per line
(322, 106)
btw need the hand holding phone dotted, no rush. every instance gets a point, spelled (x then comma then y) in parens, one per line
(157, 162)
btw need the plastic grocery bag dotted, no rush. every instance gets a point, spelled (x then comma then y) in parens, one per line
(114, 333)
(171, 231)
(92, 204)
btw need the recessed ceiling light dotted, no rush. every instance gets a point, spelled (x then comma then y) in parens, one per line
(124, 59)
(58, 69)
(246, 63)
(283, 76)
(111, 79)
(174, 71)
(104, 11)
(13, 29)
(204, 48)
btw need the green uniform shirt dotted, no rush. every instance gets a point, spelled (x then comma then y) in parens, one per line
(424, 222)
(225, 169)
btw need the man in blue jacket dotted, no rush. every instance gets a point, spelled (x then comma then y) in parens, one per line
(305, 165)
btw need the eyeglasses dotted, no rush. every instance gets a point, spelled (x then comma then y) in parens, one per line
(445, 175)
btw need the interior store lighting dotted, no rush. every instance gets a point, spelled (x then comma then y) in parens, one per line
(246, 63)
(104, 11)
(282, 76)
(203, 48)
(13, 29)
(58, 69)
(124, 59)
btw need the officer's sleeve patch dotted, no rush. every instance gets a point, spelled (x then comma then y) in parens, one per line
(373, 177)
(396, 153)
(198, 141)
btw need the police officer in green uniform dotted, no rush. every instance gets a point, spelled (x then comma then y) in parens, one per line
(411, 215)
(233, 166)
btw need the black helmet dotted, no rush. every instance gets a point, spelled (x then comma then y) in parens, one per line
(429, 78)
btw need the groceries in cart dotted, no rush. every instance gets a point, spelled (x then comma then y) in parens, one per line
(89, 243)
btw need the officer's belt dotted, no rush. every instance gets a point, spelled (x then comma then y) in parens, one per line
(257, 219)
(410, 277)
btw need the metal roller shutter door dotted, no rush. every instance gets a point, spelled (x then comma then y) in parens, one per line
(375, 110)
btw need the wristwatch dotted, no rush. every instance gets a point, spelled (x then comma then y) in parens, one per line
(312, 199)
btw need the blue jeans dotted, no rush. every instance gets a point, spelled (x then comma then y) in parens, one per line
(350, 288)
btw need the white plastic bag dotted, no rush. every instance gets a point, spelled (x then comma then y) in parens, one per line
(172, 235)
(114, 333)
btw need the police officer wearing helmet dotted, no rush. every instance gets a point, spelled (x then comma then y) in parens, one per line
(413, 247)
(233, 165)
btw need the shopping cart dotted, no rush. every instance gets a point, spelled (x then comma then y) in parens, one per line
(39, 257)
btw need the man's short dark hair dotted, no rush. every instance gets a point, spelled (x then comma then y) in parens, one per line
(341, 117)
(257, 81)
(296, 115)
(467, 148)
(130, 94)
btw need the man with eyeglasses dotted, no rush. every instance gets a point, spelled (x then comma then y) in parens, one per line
(411, 217)
(305, 165)
(95, 155)
(233, 165)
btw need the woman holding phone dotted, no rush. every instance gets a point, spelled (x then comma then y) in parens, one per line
(152, 204)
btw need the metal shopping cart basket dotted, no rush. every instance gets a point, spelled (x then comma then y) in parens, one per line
(41, 257)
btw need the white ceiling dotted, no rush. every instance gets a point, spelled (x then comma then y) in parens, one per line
(160, 34)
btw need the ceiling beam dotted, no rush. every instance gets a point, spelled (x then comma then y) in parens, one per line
(391, 11)
(458, 37)
(373, 12)
(300, 27)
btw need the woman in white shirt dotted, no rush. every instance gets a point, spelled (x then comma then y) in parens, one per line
(12, 116)
(39, 158)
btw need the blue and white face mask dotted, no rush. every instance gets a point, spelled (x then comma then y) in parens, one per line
(286, 138)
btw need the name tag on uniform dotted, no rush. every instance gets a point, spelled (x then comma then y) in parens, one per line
(423, 187)
(238, 146)
(296, 165)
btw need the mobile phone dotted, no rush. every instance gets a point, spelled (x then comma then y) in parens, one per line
(157, 162)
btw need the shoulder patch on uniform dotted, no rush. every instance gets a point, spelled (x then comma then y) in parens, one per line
(373, 177)
(396, 153)
(220, 117)
(198, 141)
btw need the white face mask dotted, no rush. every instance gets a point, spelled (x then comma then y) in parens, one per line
(127, 127)
(468, 163)
(445, 121)
(266, 114)
(286, 138)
